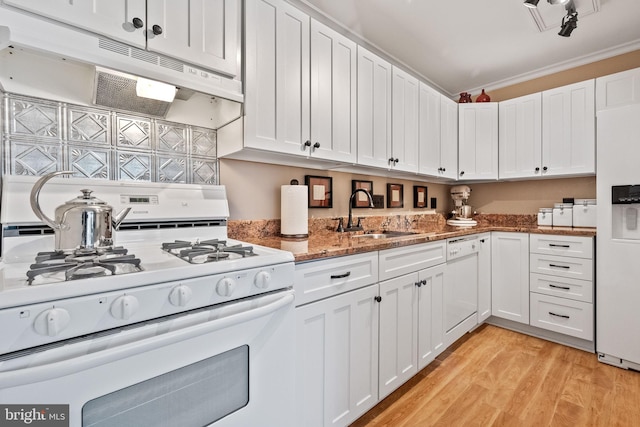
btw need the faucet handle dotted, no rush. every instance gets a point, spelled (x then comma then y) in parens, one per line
(340, 228)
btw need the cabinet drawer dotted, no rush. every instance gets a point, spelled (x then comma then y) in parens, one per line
(321, 279)
(561, 315)
(576, 268)
(573, 246)
(398, 261)
(579, 290)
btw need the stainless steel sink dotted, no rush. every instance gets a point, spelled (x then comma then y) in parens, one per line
(385, 235)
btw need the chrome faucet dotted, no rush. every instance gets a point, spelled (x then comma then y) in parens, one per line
(350, 226)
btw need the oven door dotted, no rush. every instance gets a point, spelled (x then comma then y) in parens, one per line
(230, 365)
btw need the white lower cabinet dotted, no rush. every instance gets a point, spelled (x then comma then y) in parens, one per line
(484, 277)
(562, 285)
(430, 314)
(510, 276)
(337, 358)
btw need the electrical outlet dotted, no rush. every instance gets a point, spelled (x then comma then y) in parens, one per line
(434, 202)
(378, 201)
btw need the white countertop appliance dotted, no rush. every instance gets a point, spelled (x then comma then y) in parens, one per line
(618, 240)
(174, 325)
(462, 212)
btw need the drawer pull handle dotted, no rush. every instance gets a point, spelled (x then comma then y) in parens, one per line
(566, 267)
(553, 245)
(341, 276)
(564, 316)
(566, 288)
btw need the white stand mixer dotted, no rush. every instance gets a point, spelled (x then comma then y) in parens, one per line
(462, 212)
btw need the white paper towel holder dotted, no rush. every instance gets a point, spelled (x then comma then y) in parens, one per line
(296, 236)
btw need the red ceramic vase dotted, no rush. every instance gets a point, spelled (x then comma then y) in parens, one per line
(483, 97)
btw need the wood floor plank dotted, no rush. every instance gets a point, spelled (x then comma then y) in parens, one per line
(495, 377)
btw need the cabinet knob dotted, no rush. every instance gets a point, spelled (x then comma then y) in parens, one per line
(395, 161)
(378, 298)
(461, 173)
(544, 168)
(444, 169)
(157, 30)
(418, 284)
(391, 159)
(537, 169)
(316, 145)
(137, 23)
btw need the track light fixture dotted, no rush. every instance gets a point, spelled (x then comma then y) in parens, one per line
(569, 22)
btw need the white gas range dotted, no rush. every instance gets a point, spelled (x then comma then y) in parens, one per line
(179, 273)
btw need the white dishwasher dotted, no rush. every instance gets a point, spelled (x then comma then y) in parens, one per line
(461, 287)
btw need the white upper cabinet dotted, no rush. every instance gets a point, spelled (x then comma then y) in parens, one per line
(520, 137)
(478, 141)
(404, 113)
(617, 90)
(374, 110)
(119, 19)
(200, 32)
(568, 129)
(333, 94)
(277, 77)
(448, 138)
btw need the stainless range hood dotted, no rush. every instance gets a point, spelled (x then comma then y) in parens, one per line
(78, 67)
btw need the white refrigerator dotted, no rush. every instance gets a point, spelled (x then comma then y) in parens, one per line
(618, 237)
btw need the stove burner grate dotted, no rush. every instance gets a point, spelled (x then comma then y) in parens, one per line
(212, 250)
(84, 263)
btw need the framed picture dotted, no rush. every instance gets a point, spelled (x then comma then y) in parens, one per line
(361, 200)
(395, 196)
(320, 191)
(419, 196)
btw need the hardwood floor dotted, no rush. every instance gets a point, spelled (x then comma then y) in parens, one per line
(496, 377)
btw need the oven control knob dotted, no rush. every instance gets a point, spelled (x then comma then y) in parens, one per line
(180, 295)
(124, 307)
(225, 287)
(262, 279)
(51, 322)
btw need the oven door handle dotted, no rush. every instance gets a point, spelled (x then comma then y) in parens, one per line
(73, 365)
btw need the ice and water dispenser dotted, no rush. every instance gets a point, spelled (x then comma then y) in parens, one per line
(625, 200)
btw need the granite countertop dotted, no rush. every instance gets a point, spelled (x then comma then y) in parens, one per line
(326, 243)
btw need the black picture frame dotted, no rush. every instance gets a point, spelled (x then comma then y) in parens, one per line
(420, 196)
(320, 190)
(359, 202)
(395, 196)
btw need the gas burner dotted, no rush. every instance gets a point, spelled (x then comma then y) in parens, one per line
(83, 263)
(200, 252)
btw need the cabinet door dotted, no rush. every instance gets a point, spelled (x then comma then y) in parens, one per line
(568, 130)
(484, 277)
(617, 90)
(430, 326)
(337, 358)
(404, 128)
(374, 109)
(276, 77)
(398, 334)
(113, 18)
(201, 32)
(429, 132)
(510, 276)
(478, 141)
(520, 137)
(333, 94)
(448, 138)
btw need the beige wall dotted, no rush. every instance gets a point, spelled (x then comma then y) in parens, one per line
(254, 188)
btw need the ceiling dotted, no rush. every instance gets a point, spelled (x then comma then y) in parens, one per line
(466, 45)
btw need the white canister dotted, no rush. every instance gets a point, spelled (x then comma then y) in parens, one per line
(563, 215)
(584, 213)
(545, 217)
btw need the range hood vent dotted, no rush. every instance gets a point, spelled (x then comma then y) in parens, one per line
(118, 91)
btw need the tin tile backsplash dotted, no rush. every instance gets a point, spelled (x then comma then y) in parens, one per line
(41, 136)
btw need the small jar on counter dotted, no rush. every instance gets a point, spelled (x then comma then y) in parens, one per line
(563, 215)
(545, 217)
(584, 213)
